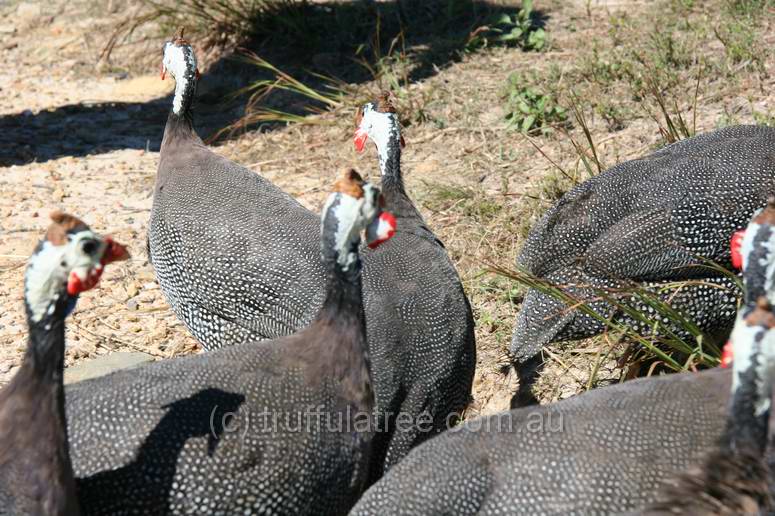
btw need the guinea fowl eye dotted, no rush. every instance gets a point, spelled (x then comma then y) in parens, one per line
(89, 247)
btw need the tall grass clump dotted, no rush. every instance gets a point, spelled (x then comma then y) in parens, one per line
(665, 337)
(218, 24)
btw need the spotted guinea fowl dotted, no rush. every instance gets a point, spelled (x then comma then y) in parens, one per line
(606, 451)
(36, 476)
(424, 363)
(236, 257)
(734, 478)
(279, 426)
(645, 221)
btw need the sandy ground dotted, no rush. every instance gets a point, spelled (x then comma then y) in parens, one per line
(86, 142)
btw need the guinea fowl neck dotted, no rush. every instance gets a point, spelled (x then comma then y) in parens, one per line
(396, 199)
(748, 422)
(180, 121)
(45, 354)
(342, 312)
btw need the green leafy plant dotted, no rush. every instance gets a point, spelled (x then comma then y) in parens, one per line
(530, 110)
(518, 29)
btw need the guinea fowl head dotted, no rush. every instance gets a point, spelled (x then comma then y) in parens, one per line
(378, 121)
(354, 206)
(68, 261)
(179, 60)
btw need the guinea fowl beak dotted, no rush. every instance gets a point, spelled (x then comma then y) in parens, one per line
(113, 252)
(736, 244)
(163, 71)
(360, 139)
(381, 230)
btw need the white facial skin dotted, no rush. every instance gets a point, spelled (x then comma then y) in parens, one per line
(176, 62)
(745, 348)
(746, 249)
(379, 127)
(353, 216)
(48, 270)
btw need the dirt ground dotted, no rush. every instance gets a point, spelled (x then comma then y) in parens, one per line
(86, 141)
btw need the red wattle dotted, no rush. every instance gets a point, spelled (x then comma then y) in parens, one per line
(736, 244)
(727, 355)
(389, 221)
(360, 140)
(74, 285)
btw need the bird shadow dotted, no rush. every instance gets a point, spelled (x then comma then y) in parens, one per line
(350, 42)
(145, 484)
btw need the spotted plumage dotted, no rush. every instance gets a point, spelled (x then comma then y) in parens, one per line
(424, 363)
(610, 450)
(602, 452)
(649, 221)
(282, 426)
(237, 260)
(36, 475)
(735, 477)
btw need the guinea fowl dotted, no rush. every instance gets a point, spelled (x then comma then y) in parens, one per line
(36, 476)
(650, 221)
(424, 363)
(281, 426)
(734, 478)
(606, 451)
(233, 255)
(236, 257)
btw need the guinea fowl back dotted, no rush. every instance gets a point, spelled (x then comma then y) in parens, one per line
(688, 181)
(227, 281)
(650, 221)
(603, 452)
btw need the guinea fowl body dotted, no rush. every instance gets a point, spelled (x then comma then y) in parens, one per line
(36, 474)
(223, 433)
(649, 221)
(282, 426)
(602, 452)
(424, 363)
(235, 255)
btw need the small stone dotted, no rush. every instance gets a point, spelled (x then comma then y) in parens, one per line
(28, 15)
(131, 290)
(105, 364)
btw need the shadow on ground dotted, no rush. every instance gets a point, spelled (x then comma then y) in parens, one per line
(347, 41)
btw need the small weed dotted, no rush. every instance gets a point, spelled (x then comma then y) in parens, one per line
(517, 29)
(740, 40)
(468, 202)
(529, 110)
(747, 7)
